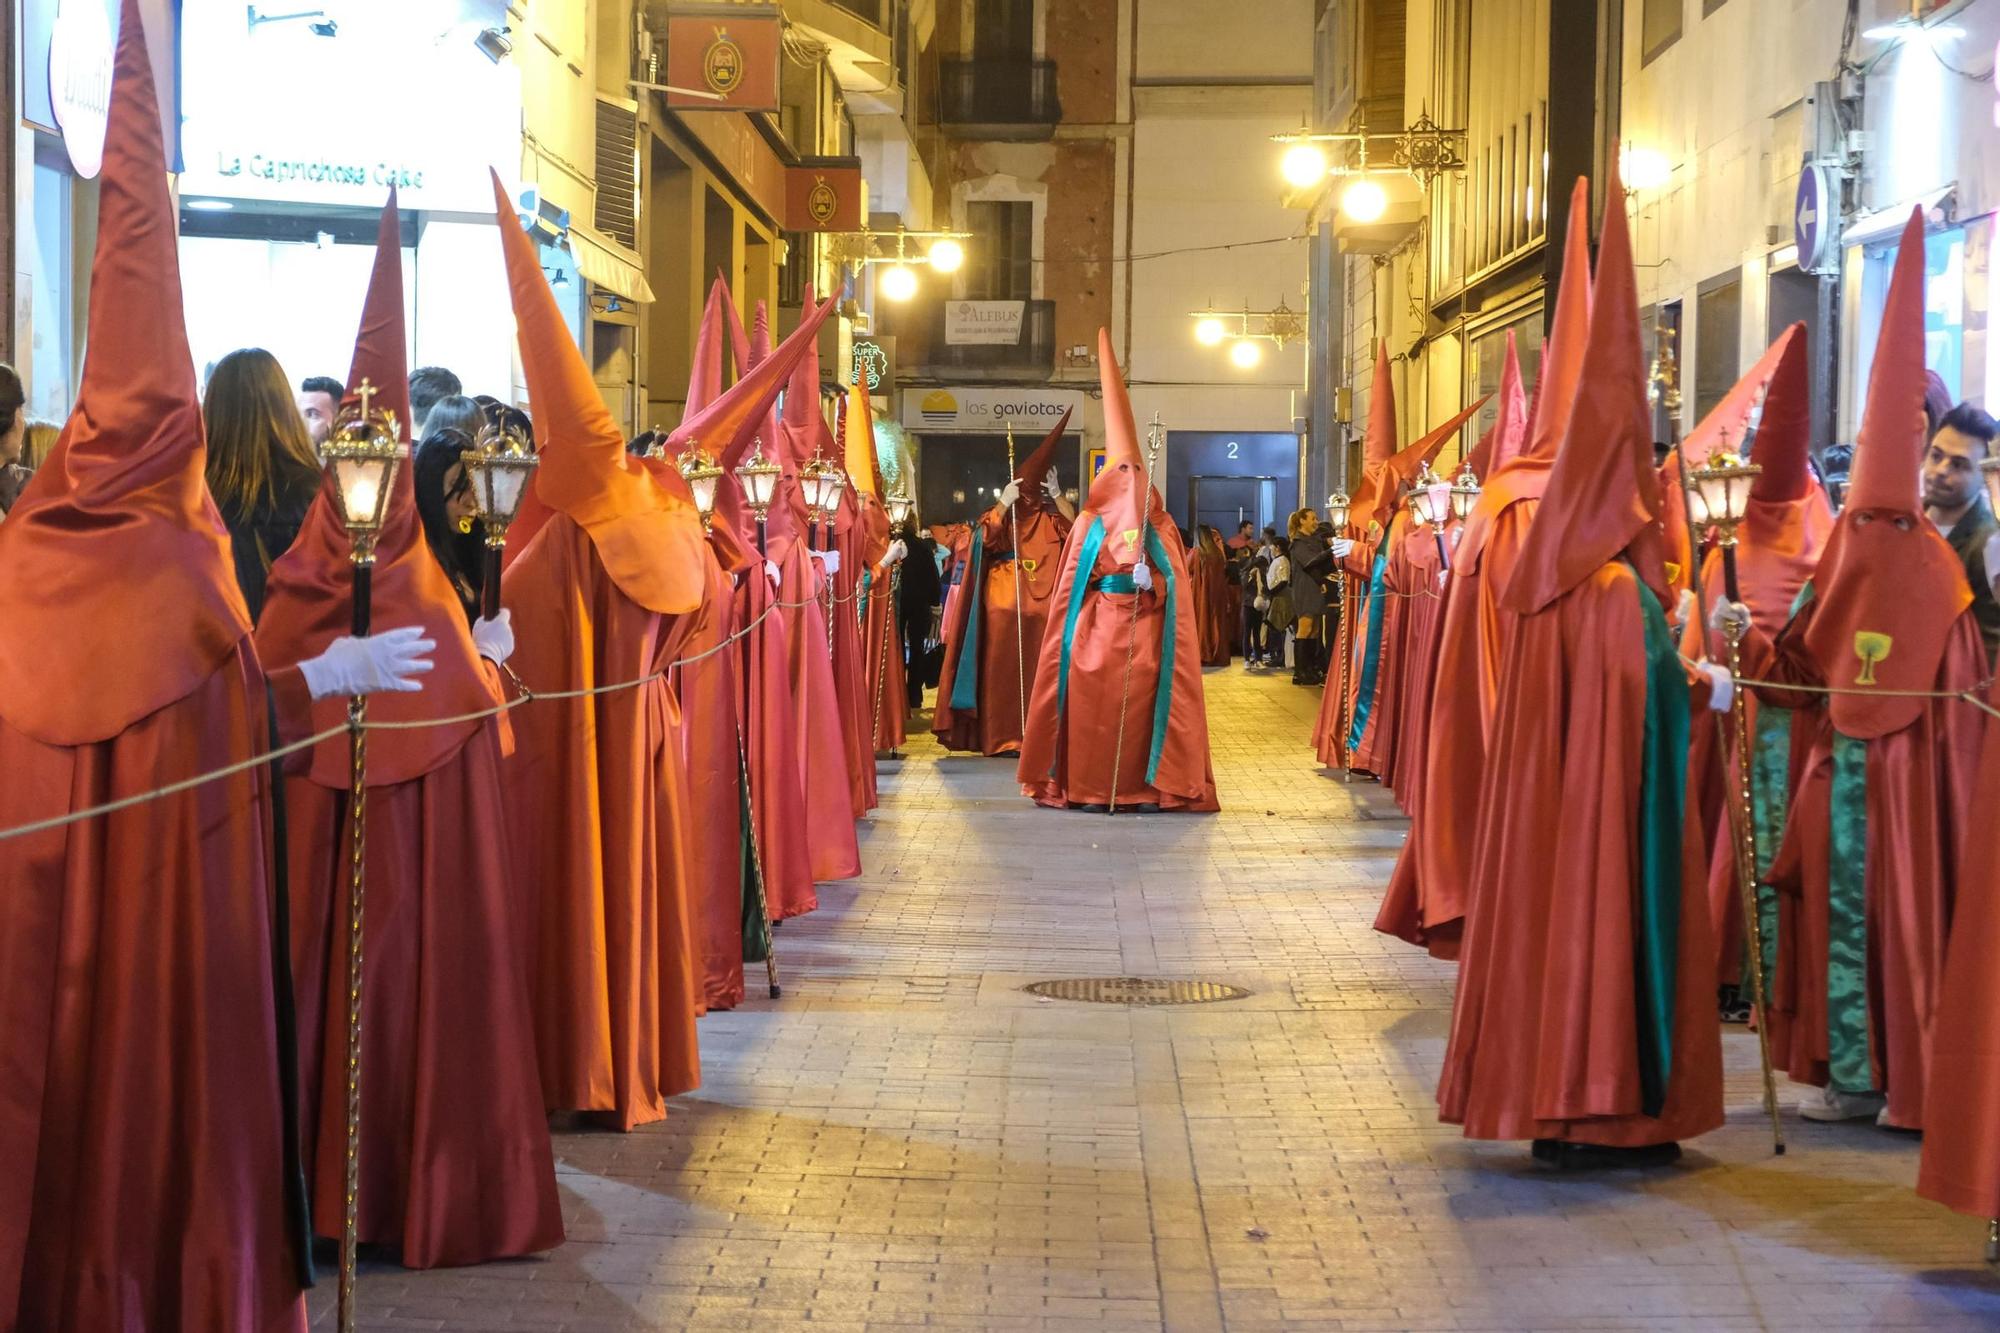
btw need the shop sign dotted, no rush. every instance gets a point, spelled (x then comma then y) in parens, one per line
(871, 363)
(824, 194)
(419, 111)
(983, 323)
(723, 57)
(1816, 219)
(1030, 411)
(81, 48)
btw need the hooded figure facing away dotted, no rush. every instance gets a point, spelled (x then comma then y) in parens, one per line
(1117, 716)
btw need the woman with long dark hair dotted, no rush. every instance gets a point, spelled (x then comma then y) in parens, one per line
(261, 468)
(451, 521)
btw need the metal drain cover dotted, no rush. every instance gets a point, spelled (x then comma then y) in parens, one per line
(1135, 990)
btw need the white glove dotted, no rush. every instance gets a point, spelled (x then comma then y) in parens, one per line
(1725, 689)
(898, 549)
(771, 572)
(829, 559)
(1262, 603)
(1142, 577)
(1684, 607)
(1443, 576)
(1010, 493)
(495, 638)
(1340, 547)
(1051, 484)
(1729, 617)
(380, 663)
(1993, 561)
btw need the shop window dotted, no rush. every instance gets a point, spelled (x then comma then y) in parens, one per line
(1489, 357)
(1718, 339)
(1659, 28)
(1000, 259)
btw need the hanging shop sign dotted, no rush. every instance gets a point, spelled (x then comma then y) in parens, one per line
(983, 323)
(723, 57)
(824, 194)
(991, 410)
(255, 93)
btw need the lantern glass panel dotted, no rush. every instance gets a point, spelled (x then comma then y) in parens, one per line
(1337, 506)
(505, 483)
(703, 488)
(364, 489)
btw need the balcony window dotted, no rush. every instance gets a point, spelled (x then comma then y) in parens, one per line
(999, 99)
(999, 260)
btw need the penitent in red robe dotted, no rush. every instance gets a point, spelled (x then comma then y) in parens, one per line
(141, 1107)
(1585, 1009)
(1425, 901)
(1210, 580)
(989, 666)
(1117, 705)
(455, 1160)
(1961, 1157)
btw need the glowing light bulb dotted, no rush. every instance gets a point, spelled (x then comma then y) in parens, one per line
(947, 255)
(898, 282)
(1364, 201)
(1246, 352)
(1208, 332)
(1644, 168)
(1303, 165)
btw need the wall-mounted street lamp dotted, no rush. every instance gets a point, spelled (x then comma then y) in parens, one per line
(1246, 331)
(1425, 150)
(898, 249)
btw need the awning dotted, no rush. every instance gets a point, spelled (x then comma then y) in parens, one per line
(607, 263)
(1884, 223)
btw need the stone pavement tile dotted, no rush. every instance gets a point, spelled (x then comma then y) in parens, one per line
(908, 1139)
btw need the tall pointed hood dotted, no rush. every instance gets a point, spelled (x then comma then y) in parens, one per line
(1526, 475)
(307, 599)
(1379, 444)
(1783, 442)
(1408, 464)
(1603, 498)
(1888, 586)
(648, 539)
(1509, 433)
(705, 376)
(804, 424)
(1122, 493)
(114, 552)
(1034, 469)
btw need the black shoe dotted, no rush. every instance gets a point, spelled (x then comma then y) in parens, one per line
(1563, 1156)
(1090, 809)
(1733, 1005)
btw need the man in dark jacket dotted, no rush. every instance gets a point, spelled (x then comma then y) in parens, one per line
(1955, 500)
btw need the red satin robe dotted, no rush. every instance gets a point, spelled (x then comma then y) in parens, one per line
(777, 786)
(1375, 750)
(1067, 758)
(850, 665)
(1423, 626)
(1211, 606)
(1961, 1157)
(1543, 1038)
(1919, 805)
(1007, 660)
(140, 1110)
(1336, 705)
(881, 636)
(597, 809)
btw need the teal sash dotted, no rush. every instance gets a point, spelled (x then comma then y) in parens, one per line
(965, 685)
(1662, 808)
(1364, 693)
(1163, 695)
(1770, 777)
(1849, 1067)
(861, 602)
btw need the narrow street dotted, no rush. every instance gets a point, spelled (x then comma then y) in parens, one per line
(908, 1138)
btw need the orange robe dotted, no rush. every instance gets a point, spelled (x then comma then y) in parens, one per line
(777, 783)
(1211, 606)
(1357, 608)
(597, 811)
(992, 725)
(1374, 748)
(1423, 615)
(1961, 1156)
(1114, 662)
(1544, 1028)
(850, 664)
(141, 1111)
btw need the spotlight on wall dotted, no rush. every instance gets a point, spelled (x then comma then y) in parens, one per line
(493, 43)
(1364, 200)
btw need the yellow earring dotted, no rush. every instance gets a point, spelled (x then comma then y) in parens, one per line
(465, 526)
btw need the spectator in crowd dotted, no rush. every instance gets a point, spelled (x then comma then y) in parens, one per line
(451, 522)
(319, 403)
(1311, 561)
(459, 413)
(1245, 537)
(427, 385)
(1278, 617)
(923, 588)
(1955, 500)
(13, 436)
(1833, 465)
(262, 469)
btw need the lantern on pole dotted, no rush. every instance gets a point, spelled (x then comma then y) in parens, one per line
(702, 474)
(1718, 497)
(1464, 492)
(361, 456)
(499, 465)
(759, 476)
(899, 506)
(1430, 504)
(1339, 508)
(822, 482)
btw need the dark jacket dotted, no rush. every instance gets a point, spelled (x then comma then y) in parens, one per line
(1968, 541)
(1312, 564)
(258, 538)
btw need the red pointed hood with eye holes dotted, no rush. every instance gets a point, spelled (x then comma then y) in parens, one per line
(1888, 587)
(1122, 494)
(120, 595)
(1033, 472)
(1509, 434)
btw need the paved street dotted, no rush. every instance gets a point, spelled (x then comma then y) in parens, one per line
(909, 1139)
